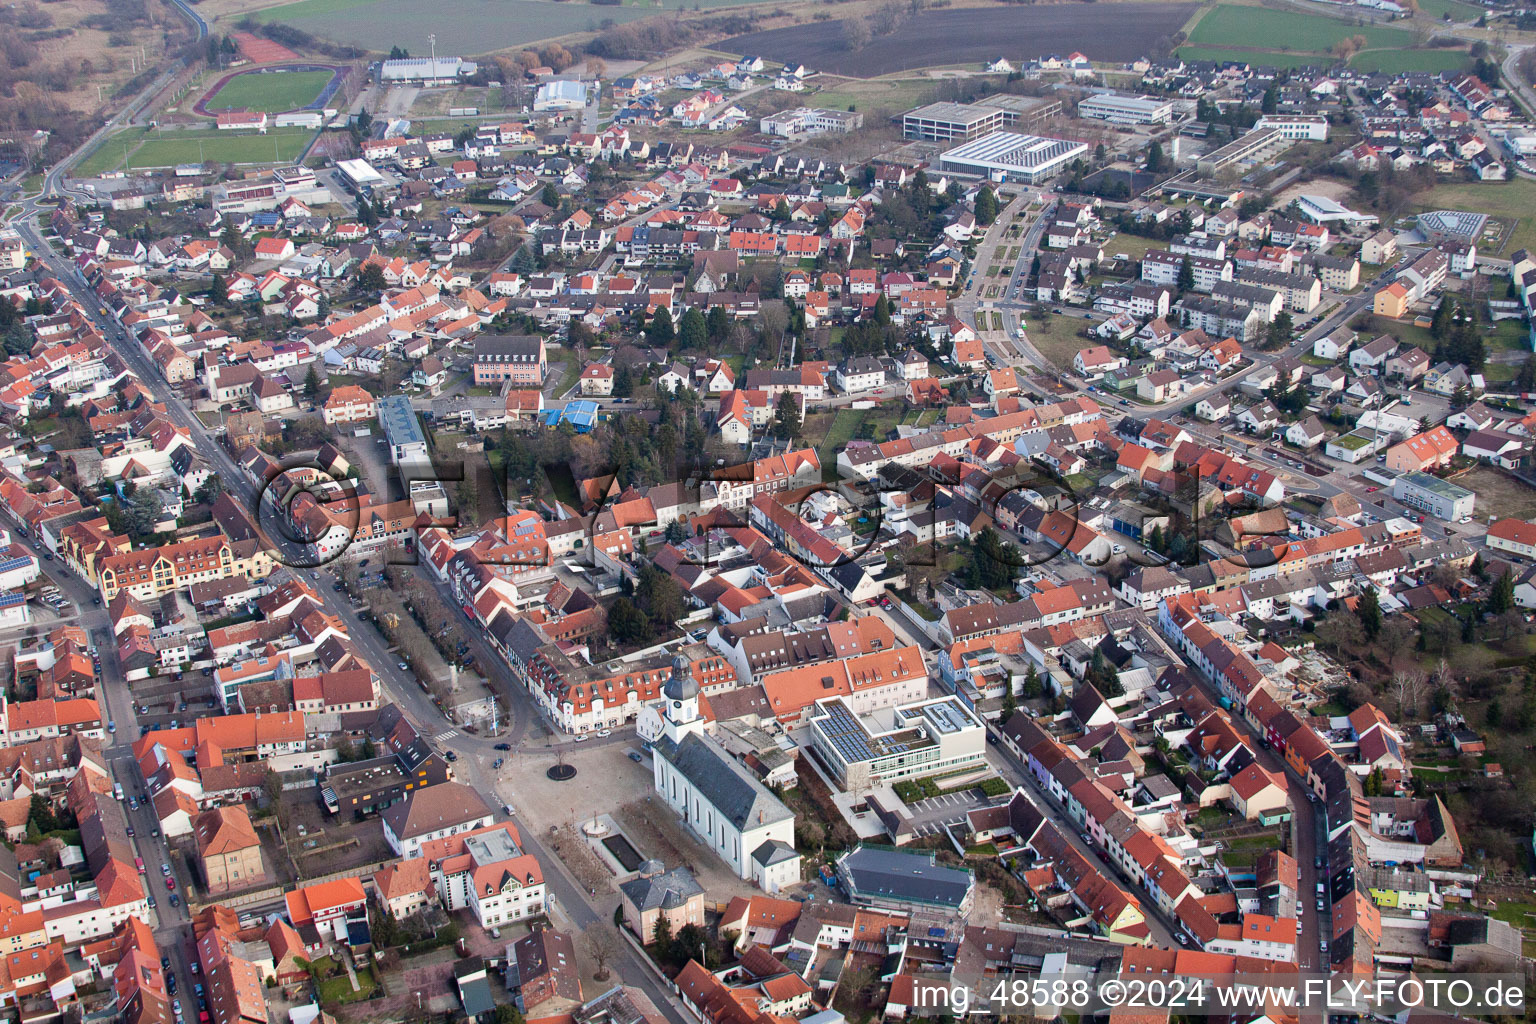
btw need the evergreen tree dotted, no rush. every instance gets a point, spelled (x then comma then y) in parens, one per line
(660, 331)
(1186, 280)
(1031, 690)
(1368, 609)
(1525, 380)
(882, 310)
(623, 381)
(693, 331)
(719, 324)
(1502, 597)
(218, 291)
(1155, 156)
(550, 197)
(311, 384)
(986, 206)
(786, 417)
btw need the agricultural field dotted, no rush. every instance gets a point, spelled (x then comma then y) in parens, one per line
(140, 148)
(1233, 25)
(1506, 200)
(272, 92)
(469, 27)
(1258, 58)
(1397, 61)
(1111, 32)
(1438, 9)
(1294, 39)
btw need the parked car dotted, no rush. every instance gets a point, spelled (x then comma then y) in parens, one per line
(503, 746)
(635, 757)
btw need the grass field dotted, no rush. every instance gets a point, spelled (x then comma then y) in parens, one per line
(1438, 9)
(1231, 25)
(1397, 61)
(167, 149)
(893, 95)
(1258, 58)
(1293, 39)
(472, 26)
(1057, 337)
(1510, 200)
(272, 92)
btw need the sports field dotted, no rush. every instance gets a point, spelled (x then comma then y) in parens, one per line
(140, 148)
(271, 91)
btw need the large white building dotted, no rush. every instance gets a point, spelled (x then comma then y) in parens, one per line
(426, 69)
(1012, 156)
(909, 741)
(1125, 109)
(1296, 127)
(723, 803)
(561, 95)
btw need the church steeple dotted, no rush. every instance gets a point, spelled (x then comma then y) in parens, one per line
(682, 700)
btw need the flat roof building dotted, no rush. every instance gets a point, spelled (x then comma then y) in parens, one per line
(426, 69)
(908, 741)
(402, 430)
(360, 173)
(1011, 156)
(1125, 109)
(947, 122)
(1241, 153)
(561, 95)
(1440, 498)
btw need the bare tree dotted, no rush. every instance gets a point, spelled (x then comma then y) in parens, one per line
(1408, 684)
(856, 33)
(601, 942)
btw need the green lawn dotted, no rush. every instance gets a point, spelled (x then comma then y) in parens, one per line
(309, 8)
(1258, 58)
(339, 989)
(142, 148)
(271, 91)
(1510, 200)
(1397, 61)
(1437, 9)
(1291, 39)
(1057, 337)
(1232, 25)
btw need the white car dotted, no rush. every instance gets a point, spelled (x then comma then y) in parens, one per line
(581, 739)
(1464, 519)
(605, 732)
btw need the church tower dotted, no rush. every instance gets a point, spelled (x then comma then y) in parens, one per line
(681, 712)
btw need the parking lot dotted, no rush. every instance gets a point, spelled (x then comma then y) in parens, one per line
(932, 816)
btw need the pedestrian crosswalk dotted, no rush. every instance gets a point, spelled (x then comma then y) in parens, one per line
(445, 735)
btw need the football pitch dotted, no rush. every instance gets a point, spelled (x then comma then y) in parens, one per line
(140, 149)
(270, 91)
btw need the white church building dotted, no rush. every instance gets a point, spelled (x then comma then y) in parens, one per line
(719, 799)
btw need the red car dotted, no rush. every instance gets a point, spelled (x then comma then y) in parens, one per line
(170, 883)
(1372, 490)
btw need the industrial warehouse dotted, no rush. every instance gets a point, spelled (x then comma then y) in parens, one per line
(1012, 156)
